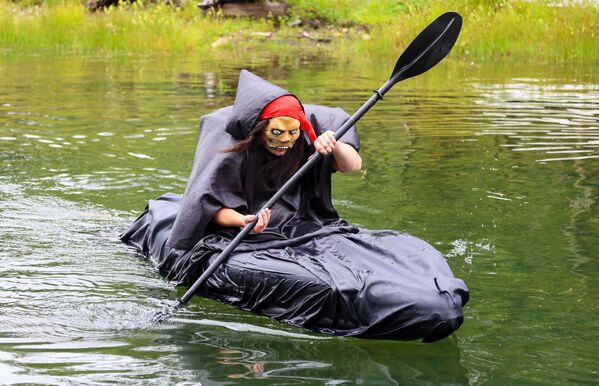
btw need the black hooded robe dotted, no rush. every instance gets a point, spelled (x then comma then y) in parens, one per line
(308, 268)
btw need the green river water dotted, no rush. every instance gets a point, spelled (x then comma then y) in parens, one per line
(496, 165)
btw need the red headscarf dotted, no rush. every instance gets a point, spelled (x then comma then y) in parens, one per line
(288, 106)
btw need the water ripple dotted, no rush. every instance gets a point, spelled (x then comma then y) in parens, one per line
(565, 117)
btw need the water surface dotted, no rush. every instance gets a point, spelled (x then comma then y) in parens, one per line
(495, 165)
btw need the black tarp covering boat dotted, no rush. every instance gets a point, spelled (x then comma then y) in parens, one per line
(309, 268)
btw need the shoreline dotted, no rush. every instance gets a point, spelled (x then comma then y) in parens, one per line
(531, 32)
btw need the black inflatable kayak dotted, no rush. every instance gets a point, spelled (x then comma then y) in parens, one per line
(350, 281)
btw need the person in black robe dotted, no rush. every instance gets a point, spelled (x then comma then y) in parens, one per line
(302, 264)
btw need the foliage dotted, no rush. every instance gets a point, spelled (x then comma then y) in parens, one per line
(67, 25)
(493, 29)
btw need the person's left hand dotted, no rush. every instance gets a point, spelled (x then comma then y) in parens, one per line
(325, 143)
(262, 223)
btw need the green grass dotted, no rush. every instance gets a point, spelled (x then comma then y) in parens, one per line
(531, 31)
(528, 31)
(68, 26)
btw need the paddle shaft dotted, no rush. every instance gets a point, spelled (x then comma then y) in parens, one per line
(378, 94)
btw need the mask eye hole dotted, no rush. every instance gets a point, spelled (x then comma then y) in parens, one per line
(293, 132)
(276, 131)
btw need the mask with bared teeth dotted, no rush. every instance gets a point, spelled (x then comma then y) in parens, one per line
(286, 118)
(280, 134)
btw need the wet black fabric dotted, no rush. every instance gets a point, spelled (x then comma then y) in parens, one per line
(309, 268)
(235, 179)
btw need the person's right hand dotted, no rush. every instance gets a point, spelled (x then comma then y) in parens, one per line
(263, 219)
(325, 143)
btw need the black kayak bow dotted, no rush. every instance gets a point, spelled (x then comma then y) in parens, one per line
(425, 51)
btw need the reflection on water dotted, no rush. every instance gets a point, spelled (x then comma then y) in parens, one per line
(559, 122)
(497, 171)
(304, 361)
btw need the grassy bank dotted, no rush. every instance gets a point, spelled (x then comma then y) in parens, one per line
(68, 26)
(493, 29)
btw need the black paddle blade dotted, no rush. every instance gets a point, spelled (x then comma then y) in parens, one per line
(429, 47)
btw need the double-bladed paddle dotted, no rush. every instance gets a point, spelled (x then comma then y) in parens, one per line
(428, 49)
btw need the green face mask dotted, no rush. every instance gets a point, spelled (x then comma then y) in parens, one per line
(280, 134)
